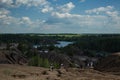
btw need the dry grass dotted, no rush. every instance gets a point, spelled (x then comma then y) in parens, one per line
(17, 72)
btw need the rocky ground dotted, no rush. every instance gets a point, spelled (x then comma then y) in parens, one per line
(17, 72)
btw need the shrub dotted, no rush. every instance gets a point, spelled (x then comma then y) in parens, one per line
(38, 61)
(42, 62)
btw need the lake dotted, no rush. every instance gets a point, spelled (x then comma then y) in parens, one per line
(63, 43)
(59, 44)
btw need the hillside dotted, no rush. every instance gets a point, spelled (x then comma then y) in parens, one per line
(17, 72)
(12, 57)
(110, 63)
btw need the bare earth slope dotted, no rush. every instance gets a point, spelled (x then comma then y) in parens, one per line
(110, 64)
(12, 57)
(17, 72)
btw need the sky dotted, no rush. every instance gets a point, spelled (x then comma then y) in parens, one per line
(60, 16)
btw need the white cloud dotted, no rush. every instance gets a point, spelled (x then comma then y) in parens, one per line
(100, 10)
(42, 5)
(112, 13)
(78, 19)
(63, 11)
(66, 7)
(4, 16)
(27, 3)
(6, 3)
(109, 19)
(61, 15)
(26, 20)
(19, 2)
(4, 11)
(46, 9)
(7, 20)
(30, 3)
(106, 17)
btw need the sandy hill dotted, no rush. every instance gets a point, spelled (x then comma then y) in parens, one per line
(12, 57)
(17, 72)
(110, 64)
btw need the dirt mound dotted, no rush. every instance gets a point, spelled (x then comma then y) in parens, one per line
(11, 57)
(17, 72)
(110, 64)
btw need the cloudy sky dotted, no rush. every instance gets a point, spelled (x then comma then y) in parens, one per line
(59, 16)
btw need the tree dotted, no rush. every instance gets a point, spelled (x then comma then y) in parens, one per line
(23, 47)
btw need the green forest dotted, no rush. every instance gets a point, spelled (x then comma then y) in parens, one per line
(91, 45)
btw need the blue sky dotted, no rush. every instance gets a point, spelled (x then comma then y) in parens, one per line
(59, 16)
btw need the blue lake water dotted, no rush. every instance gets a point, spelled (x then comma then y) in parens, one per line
(63, 43)
(60, 44)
